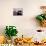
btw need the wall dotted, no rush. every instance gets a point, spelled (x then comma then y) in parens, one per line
(25, 24)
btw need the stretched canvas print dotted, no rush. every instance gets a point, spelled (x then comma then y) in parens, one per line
(17, 12)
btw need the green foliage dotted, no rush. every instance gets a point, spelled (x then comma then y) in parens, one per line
(41, 17)
(11, 31)
(45, 17)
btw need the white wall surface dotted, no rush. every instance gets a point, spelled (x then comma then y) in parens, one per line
(25, 24)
